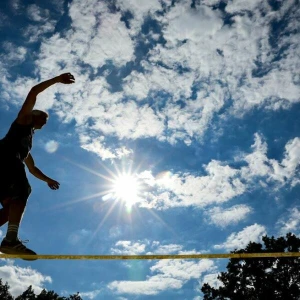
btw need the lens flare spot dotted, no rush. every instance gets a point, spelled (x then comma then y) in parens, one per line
(51, 146)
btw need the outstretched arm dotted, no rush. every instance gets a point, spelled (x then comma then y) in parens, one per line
(66, 78)
(53, 184)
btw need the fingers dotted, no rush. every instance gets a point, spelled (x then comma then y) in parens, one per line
(54, 186)
(69, 78)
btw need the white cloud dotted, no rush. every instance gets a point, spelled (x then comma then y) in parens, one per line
(239, 240)
(15, 93)
(128, 248)
(19, 279)
(289, 222)
(257, 160)
(291, 161)
(96, 146)
(147, 247)
(90, 295)
(229, 53)
(14, 54)
(224, 217)
(220, 185)
(140, 11)
(171, 274)
(240, 5)
(36, 13)
(220, 56)
(212, 280)
(157, 78)
(183, 22)
(149, 287)
(167, 249)
(99, 35)
(35, 33)
(222, 182)
(127, 120)
(260, 165)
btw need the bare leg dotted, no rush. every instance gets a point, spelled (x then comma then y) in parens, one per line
(11, 243)
(16, 210)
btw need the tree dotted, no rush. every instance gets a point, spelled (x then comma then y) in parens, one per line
(30, 295)
(49, 295)
(260, 278)
(4, 291)
(74, 297)
(27, 295)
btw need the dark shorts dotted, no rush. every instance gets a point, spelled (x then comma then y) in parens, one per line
(13, 180)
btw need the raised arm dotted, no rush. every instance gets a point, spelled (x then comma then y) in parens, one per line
(25, 112)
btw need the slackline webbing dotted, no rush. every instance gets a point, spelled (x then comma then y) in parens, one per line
(155, 256)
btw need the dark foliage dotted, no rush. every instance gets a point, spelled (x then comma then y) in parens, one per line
(30, 295)
(4, 292)
(261, 278)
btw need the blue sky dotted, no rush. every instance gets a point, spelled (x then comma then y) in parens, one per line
(198, 101)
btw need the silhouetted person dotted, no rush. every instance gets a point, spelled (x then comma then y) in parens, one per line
(14, 152)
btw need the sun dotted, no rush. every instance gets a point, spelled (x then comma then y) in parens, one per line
(126, 188)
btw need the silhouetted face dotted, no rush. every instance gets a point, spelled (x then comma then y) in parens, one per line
(39, 121)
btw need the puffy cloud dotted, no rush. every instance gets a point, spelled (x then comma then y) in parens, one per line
(233, 54)
(96, 146)
(241, 5)
(128, 247)
(238, 240)
(290, 222)
(222, 182)
(171, 274)
(220, 185)
(140, 247)
(34, 33)
(99, 35)
(215, 54)
(185, 83)
(260, 165)
(212, 280)
(184, 23)
(291, 161)
(167, 249)
(140, 10)
(14, 54)
(19, 279)
(224, 217)
(90, 295)
(36, 13)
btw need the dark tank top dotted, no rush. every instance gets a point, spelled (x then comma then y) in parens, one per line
(18, 141)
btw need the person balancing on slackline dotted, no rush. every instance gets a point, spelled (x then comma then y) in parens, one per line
(14, 152)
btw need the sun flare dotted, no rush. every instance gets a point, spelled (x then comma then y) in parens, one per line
(126, 188)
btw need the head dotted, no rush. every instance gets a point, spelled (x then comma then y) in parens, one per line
(39, 118)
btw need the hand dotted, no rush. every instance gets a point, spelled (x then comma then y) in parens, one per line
(53, 184)
(66, 78)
